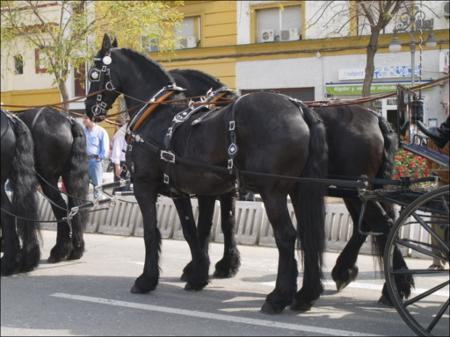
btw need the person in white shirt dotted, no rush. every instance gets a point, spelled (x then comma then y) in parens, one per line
(118, 150)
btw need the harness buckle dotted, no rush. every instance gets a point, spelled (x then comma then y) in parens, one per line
(166, 179)
(168, 156)
(109, 86)
(230, 165)
(232, 126)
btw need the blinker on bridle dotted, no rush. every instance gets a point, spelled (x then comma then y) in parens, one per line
(103, 76)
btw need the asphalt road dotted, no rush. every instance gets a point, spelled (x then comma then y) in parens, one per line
(91, 297)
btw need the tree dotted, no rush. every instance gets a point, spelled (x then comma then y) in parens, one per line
(376, 14)
(68, 33)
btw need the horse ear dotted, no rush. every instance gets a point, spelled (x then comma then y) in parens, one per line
(114, 43)
(106, 44)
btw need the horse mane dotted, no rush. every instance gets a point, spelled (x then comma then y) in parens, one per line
(143, 60)
(213, 81)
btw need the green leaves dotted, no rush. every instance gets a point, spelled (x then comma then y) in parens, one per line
(70, 32)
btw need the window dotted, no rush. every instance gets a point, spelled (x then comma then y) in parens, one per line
(18, 64)
(278, 24)
(189, 33)
(40, 61)
(80, 80)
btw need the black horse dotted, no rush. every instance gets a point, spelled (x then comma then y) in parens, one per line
(60, 151)
(360, 143)
(273, 134)
(20, 238)
(197, 84)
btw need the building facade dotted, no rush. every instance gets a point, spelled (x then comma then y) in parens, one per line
(300, 48)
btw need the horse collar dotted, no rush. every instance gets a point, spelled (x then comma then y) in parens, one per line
(144, 113)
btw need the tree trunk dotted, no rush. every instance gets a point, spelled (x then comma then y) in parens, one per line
(64, 94)
(372, 48)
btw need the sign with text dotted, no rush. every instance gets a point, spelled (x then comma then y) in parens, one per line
(356, 89)
(379, 72)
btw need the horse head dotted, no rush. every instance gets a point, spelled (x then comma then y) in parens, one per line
(122, 71)
(104, 81)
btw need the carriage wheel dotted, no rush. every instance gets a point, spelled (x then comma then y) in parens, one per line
(422, 235)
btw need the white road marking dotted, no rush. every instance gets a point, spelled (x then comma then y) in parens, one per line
(212, 316)
(367, 286)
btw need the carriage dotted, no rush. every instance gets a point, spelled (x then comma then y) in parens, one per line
(422, 228)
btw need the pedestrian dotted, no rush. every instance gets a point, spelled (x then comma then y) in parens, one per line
(97, 142)
(118, 150)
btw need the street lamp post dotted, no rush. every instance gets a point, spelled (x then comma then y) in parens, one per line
(413, 20)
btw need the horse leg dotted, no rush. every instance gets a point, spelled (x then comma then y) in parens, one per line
(229, 265)
(63, 247)
(346, 270)
(206, 213)
(403, 282)
(11, 259)
(76, 189)
(146, 197)
(311, 241)
(285, 235)
(31, 252)
(197, 271)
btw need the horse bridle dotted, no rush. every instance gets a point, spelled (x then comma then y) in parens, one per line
(103, 76)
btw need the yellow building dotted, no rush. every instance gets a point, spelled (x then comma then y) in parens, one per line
(288, 46)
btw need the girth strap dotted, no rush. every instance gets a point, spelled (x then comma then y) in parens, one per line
(233, 147)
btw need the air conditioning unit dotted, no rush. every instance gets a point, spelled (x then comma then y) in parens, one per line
(425, 24)
(150, 44)
(447, 10)
(267, 35)
(188, 42)
(290, 34)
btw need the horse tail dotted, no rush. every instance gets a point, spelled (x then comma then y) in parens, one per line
(24, 183)
(77, 181)
(311, 203)
(390, 148)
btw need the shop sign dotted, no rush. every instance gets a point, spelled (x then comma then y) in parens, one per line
(379, 72)
(356, 90)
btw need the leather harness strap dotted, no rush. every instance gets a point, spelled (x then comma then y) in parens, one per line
(150, 109)
(33, 123)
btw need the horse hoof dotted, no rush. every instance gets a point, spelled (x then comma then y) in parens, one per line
(54, 259)
(75, 255)
(224, 273)
(270, 309)
(184, 277)
(351, 274)
(385, 300)
(301, 306)
(136, 290)
(341, 284)
(195, 287)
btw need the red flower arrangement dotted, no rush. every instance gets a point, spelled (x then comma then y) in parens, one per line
(407, 164)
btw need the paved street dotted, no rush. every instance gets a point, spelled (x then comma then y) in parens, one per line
(91, 297)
